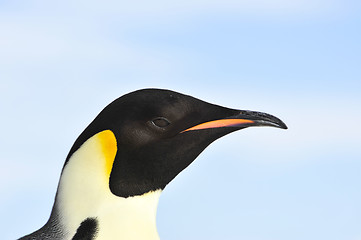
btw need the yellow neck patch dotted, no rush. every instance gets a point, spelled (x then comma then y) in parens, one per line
(108, 144)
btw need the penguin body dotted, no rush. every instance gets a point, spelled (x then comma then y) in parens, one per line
(114, 173)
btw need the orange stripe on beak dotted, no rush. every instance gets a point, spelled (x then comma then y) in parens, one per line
(220, 123)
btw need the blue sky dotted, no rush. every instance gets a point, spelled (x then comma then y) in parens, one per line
(62, 62)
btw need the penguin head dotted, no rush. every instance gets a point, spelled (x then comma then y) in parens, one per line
(158, 133)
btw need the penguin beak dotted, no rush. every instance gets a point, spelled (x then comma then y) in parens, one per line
(242, 120)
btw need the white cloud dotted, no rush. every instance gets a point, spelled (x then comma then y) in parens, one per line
(171, 9)
(143, 12)
(72, 32)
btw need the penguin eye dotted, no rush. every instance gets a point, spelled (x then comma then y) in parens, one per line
(160, 122)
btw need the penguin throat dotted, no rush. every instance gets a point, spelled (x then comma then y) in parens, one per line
(84, 193)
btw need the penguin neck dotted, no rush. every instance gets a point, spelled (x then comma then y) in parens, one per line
(131, 218)
(84, 193)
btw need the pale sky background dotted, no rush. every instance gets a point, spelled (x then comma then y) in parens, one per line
(61, 62)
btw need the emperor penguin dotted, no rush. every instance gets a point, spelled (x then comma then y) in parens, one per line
(117, 168)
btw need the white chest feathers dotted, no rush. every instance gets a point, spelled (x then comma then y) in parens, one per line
(84, 193)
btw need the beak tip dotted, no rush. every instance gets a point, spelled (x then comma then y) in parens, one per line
(283, 126)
